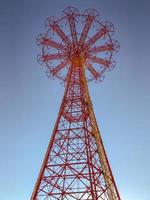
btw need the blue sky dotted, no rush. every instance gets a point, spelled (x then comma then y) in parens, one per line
(29, 102)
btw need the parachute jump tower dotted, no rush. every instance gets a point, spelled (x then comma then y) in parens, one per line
(76, 48)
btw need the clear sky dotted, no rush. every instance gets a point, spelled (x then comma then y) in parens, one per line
(29, 102)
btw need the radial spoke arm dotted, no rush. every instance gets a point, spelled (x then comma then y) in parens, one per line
(103, 48)
(61, 34)
(59, 67)
(48, 57)
(51, 43)
(103, 31)
(85, 30)
(100, 61)
(71, 19)
(93, 71)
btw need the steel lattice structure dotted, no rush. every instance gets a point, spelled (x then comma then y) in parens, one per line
(76, 48)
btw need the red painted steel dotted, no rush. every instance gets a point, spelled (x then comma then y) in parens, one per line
(75, 165)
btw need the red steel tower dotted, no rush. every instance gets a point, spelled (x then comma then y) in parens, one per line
(76, 48)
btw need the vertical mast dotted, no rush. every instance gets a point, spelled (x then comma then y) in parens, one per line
(76, 113)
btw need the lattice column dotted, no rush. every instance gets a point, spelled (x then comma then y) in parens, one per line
(76, 166)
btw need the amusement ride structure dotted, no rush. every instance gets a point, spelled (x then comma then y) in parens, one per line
(76, 48)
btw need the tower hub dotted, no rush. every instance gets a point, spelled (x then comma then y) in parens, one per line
(78, 60)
